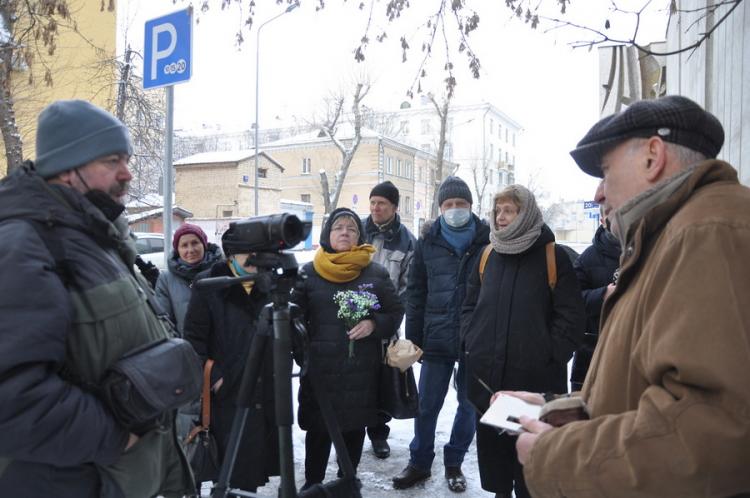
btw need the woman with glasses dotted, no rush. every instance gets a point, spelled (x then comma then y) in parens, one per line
(345, 360)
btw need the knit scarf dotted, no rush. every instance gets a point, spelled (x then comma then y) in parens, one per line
(459, 238)
(341, 267)
(523, 231)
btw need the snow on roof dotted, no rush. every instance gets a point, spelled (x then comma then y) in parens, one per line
(132, 218)
(344, 132)
(221, 156)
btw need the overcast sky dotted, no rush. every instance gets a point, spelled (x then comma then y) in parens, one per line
(534, 77)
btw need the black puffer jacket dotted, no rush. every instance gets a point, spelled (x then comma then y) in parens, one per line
(74, 304)
(517, 333)
(594, 269)
(220, 324)
(437, 286)
(352, 383)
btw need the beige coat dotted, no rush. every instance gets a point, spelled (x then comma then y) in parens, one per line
(669, 385)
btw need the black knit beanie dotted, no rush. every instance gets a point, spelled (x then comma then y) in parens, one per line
(71, 133)
(325, 233)
(453, 187)
(387, 190)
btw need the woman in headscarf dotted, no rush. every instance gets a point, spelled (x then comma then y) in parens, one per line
(342, 263)
(220, 324)
(519, 327)
(191, 254)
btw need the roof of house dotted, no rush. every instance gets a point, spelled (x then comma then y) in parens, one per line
(224, 156)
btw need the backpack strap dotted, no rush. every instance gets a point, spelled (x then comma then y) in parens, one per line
(483, 261)
(551, 265)
(56, 249)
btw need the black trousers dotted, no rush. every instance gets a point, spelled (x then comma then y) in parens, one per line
(499, 468)
(318, 449)
(379, 431)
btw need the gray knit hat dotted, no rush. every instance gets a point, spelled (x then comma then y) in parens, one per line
(71, 133)
(452, 187)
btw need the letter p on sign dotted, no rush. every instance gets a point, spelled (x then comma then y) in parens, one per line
(168, 49)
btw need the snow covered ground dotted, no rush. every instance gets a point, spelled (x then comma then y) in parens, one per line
(376, 474)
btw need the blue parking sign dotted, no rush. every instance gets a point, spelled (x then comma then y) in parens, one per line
(168, 49)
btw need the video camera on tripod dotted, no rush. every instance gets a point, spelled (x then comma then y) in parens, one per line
(264, 238)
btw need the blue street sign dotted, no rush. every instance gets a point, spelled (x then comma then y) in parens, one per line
(168, 49)
(590, 205)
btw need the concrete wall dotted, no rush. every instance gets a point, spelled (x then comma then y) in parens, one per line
(716, 75)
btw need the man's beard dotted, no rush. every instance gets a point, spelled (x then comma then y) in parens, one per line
(118, 191)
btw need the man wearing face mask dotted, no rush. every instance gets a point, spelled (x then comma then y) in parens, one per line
(72, 307)
(445, 254)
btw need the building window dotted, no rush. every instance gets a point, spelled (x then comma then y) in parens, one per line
(426, 127)
(499, 154)
(407, 203)
(226, 214)
(398, 167)
(306, 165)
(506, 135)
(420, 173)
(389, 165)
(506, 157)
(513, 159)
(409, 170)
(514, 139)
(492, 151)
(499, 131)
(492, 126)
(404, 127)
(262, 172)
(305, 197)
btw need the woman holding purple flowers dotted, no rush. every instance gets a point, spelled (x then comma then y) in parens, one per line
(350, 306)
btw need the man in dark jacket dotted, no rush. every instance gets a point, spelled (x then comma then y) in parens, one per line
(394, 245)
(72, 307)
(594, 268)
(443, 258)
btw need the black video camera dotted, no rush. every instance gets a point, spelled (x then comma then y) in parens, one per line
(271, 233)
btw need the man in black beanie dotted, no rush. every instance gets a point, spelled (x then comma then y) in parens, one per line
(445, 254)
(667, 391)
(73, 307)
(394, 245)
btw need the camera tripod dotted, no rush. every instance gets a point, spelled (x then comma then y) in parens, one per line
(277, 273)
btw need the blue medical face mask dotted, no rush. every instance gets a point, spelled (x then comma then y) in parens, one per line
(457, 217)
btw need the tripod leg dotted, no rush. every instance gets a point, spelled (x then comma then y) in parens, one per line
(250, 375)
(282, 358)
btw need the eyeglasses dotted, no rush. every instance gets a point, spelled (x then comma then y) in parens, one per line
(506, 211)
(345, 228)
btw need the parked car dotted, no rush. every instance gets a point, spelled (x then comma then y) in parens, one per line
(150, 246)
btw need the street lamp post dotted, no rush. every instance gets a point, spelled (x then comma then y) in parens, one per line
(257, 92)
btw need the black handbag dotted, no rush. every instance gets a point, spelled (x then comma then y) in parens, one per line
(150, 381)
(398, 392)
(200, 446)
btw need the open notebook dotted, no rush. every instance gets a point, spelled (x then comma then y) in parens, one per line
(506, 411)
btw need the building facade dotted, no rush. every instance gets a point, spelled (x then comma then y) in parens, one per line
(79, 68)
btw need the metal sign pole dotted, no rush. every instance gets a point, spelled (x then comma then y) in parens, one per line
(167, 175)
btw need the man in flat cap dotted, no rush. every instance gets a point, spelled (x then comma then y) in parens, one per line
(668, 390)
(71, 307)
(394, 245)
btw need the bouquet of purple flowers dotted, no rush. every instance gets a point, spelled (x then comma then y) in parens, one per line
(355, 306)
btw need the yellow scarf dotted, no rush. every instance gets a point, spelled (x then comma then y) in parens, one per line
(248, 285)
(344, 266)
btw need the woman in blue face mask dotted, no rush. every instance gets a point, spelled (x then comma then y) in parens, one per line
(220, 324)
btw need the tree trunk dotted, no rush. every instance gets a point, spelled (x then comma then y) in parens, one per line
(8, 126)
(122, 87)
(442, 111)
